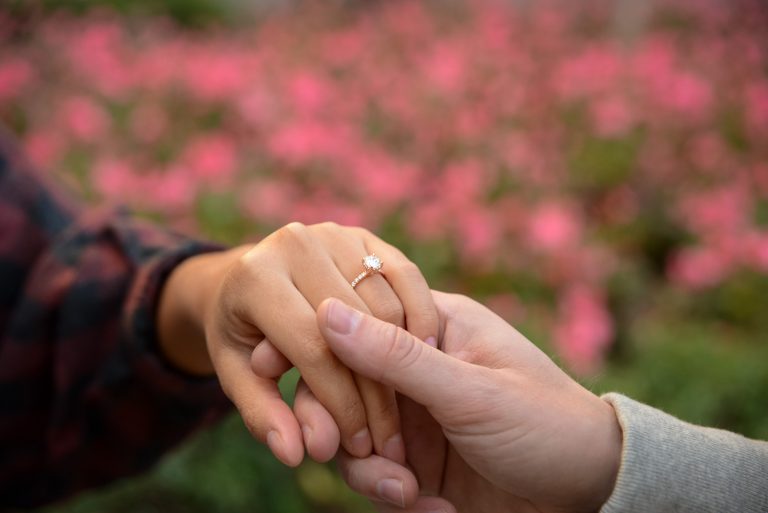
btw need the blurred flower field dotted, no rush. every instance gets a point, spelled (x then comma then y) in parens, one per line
(604, 189)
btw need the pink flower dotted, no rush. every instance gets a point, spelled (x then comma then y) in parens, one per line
(171, 191)
(15, 75)
(689, 95)
(322, 207)
(257, 107)
(478, 234)
(445, 69)
(463, 182)
(756, 249)
(708, 152)
(44, 147)
(592, 71)
(428, 220)
(270, 201)
(309, 92)
(611, 117)
(84, 119)
(95, 52)
(721, 210)
(115, 179)
(698, 268)
(212, 158)
(584, 328)
(756, 107)
(553, 226)
(213, 74)
(301, 142)
(344, 47)
(382, 180)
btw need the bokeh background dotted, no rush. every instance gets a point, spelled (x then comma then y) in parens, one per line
(594, 171)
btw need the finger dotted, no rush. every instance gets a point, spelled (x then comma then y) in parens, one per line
(268, 362)
(379, 479)
(424, 504)
(260, 404)
(288, 321)
(321, 435)
(407, 281)
(372, 295)
(390, 355)
(425, 445)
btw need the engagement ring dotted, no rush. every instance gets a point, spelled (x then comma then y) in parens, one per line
(372, 265)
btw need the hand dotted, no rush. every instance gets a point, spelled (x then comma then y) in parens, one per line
(520, 434)
(249, 314)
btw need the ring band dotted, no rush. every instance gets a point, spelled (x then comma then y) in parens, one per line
(372, 265)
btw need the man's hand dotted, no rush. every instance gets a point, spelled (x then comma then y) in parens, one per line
(519, 434)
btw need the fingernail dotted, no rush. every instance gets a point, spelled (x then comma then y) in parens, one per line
(394, 449)
(431, 341)
(391, 490)
(361, 443)
(307, 432)
(341, 318)
(275, 443)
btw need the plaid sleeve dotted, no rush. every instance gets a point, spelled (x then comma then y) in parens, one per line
(85, 396)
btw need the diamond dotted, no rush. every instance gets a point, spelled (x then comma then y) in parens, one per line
(372, 263)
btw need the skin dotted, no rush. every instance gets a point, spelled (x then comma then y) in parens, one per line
(248, 315)
(516, 433)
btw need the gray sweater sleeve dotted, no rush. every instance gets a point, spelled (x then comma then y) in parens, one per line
(668, 465)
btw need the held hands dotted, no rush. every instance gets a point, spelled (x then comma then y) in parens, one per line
(249, 314)
(489, 423)
(518, 433)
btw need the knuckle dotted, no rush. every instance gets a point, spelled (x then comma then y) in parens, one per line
(352, 413)
(408, 269)
(329, 226)
(402, 352)
(391, 311)
(361, 232)
(292, 234)
(252, 265)
(316, 353)
(295, 227)
(426, 319)
(412, 270)
(386, 409)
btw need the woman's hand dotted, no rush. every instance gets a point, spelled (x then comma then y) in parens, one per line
(249, 314)
(518, 433)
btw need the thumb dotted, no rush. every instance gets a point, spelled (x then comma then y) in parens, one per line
(390, 355)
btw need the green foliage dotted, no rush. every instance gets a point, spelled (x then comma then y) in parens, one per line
(188, 12)
(599, 164)
(703, 372)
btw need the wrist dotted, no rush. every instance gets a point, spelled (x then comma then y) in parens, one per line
(185, 302)
(607, 451)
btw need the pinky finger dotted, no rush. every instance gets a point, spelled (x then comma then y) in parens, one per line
(321, 435)
(268, 362)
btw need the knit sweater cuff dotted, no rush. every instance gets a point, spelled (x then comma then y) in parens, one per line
(668, 465)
